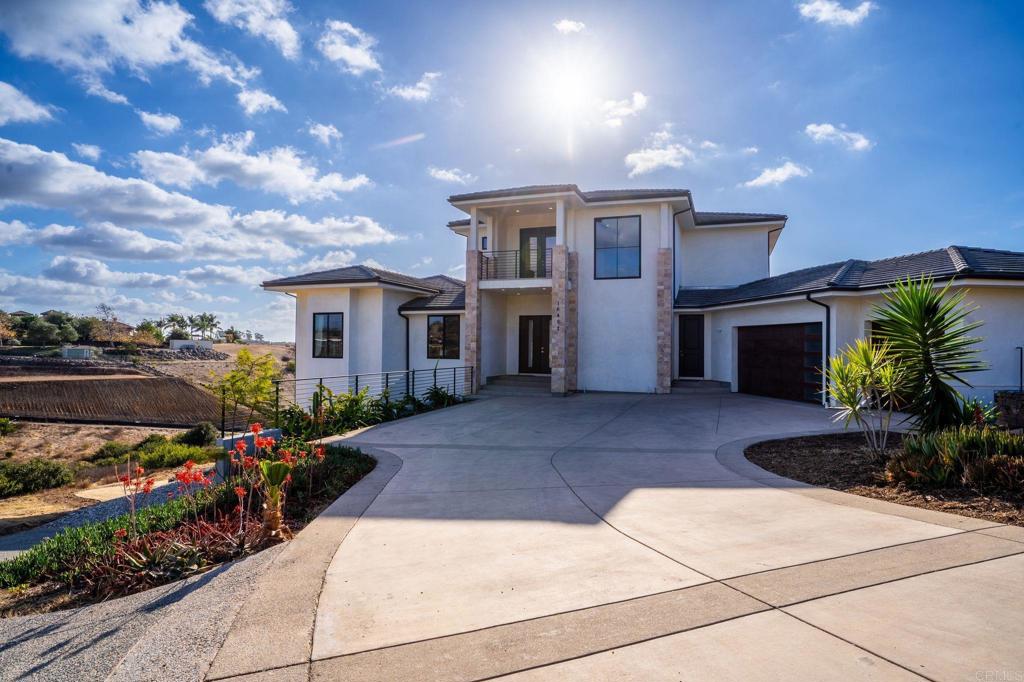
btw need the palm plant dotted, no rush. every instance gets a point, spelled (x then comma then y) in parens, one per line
(929, 332)
(865, 381)
(174, 321)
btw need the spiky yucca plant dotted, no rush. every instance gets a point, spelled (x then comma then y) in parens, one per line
(930, 335)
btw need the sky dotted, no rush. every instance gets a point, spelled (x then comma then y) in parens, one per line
(168, 156)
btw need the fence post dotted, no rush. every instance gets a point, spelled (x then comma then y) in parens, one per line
(223, 408)
(357, 383)
(455, 381)
(413, 383)
(277, 403)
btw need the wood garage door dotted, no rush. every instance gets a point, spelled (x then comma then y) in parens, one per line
(781, 361)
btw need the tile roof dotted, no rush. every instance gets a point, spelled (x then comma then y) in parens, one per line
(727, 218)
(596, 195)
(354, 274)
(953, 261)
(449, 299)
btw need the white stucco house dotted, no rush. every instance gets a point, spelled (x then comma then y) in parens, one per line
(630, 290)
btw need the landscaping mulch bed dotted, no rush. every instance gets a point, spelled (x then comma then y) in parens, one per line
(842, 462)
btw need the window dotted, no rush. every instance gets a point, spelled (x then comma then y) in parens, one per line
(617, 247)
(443, 337)
(483, 243)
(328, 335)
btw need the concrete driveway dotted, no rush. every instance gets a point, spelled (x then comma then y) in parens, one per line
(626, 538)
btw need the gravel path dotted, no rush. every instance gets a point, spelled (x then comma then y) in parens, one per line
(16, 543)
(167, 633)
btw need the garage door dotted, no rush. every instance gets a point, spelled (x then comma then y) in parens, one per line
(781, 361)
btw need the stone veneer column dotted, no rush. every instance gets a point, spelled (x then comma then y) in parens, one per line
(664, 315)
(572, 324)
(472, 347)
(559, 318)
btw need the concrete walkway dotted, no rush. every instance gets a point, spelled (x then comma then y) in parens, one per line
(611, 537)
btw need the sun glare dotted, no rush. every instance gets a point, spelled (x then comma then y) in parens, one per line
(566, 91)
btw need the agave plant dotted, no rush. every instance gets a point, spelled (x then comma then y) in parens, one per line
(865, 381)
(274, 475)
(930, 335)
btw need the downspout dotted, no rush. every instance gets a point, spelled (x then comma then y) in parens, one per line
(400, 314)
(688, 208)
(828, 341)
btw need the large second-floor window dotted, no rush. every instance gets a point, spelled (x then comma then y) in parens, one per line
(328, 335)
(617, 247)
(443, 337)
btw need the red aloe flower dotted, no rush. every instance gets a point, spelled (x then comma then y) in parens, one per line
(256, 427)
(121, 533)
(240, 491)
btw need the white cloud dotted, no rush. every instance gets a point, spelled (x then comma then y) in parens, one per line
(106, 240)
(206, 231)
(261, 18)
(615, 110)
(161, 124)
(451, 175)
(661, 150)
(826, 132)
(457, 270)
(257, 101)
(281, 170)
(329, 231)
(566, 26)
(325, 133)
(95, 87)
(96, 273)
(97, 37)
(227, 274)
(14, 232)
(16, 106)
(777, 176)
(350, 47)
(833, 13)
(328, 261)
(87, 151)
(421, 91)
(750, 150)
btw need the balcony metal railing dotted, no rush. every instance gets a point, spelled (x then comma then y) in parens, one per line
(528, 264)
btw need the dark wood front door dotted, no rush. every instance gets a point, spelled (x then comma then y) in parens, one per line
(534, 344)
(535, 244)
(691, 346)
(781, 361)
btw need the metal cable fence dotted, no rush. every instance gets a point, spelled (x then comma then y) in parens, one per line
(396, 386)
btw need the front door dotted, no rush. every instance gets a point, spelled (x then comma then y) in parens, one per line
(691, 346)
(535, 244)
(534, 344)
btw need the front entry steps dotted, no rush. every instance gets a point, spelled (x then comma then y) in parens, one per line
(517, 384)
(700, 387)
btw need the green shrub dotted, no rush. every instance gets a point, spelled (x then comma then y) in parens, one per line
(169, 454)
(111, 452)
(18, 478)
(7, 426)
(968, 456)
(200, 435)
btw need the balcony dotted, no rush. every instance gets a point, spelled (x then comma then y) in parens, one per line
(519, 264)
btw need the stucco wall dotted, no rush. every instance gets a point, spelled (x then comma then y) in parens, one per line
(365, 327)
(708, 257)
(617, 317)
(320, 301)
(393, 330)
(494, 323)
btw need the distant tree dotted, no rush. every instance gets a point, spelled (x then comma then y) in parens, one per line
(66, 333)
(248, 335)
(108, 326)
(174, 321)
(153, 330)
(6, 328)
(231, 334)
(87, 327)
(258, 337)
(193, 325)
(210, 324)
(249, 384)
(58, 317)
(39, 332)
(178, 334)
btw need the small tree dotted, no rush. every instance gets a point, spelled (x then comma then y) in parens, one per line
(250, 384)
(149, 333)
(39, 332)
(6, 329)
(108, 323)
(865, 381)
(930, 337)
(66, 333)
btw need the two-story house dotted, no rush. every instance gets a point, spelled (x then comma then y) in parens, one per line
(630, 290)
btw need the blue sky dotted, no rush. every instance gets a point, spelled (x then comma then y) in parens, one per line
(166, 157)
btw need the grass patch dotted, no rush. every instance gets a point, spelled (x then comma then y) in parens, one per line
(154, 452)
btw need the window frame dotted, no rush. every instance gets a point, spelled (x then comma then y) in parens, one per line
(341, 356)
(638, 247)
(445, 321)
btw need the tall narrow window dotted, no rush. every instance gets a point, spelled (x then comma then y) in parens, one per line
(328, 335)
(443, 337)
(617, 247)
(483, 243)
